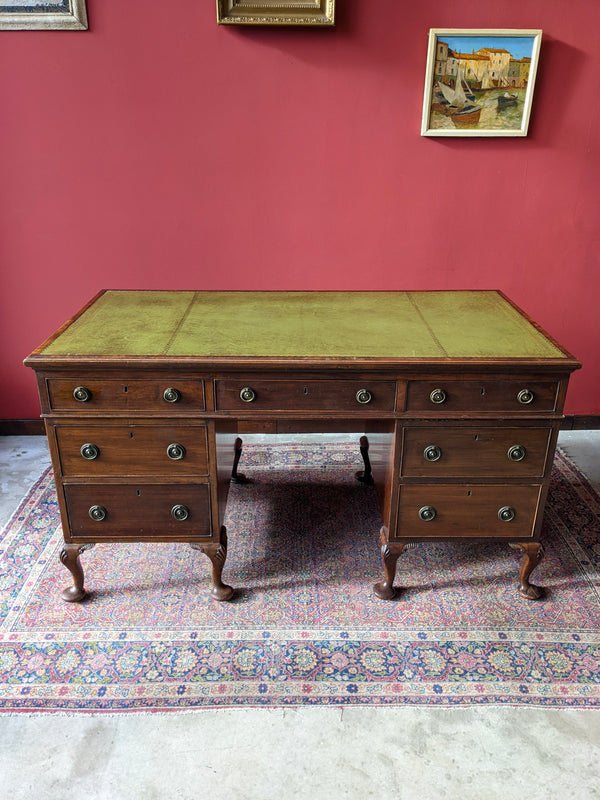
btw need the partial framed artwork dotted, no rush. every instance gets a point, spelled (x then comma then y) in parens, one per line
(479, 82)
(310, 13)
(39, 15)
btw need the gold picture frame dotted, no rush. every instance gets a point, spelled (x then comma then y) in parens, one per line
(310, 13)
(40, 15)
(479, 82)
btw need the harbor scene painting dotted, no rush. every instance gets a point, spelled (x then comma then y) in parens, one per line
(479, 83)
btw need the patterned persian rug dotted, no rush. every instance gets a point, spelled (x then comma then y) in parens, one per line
(304, 626)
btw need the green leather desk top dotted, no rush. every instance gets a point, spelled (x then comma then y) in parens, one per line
(320, 325)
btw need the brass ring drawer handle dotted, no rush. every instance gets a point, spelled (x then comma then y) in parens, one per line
(171, 395)
(438, 396)
(525, 397)
(180, 513)
(363, 396)
(247, 395)
(97, 513)
(81, 394)
(89, 451)
(506, 514)
(517, 452)
(176, 452)
(432, 453)
(427, 513)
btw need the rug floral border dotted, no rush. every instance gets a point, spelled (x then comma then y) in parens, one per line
(119, 670)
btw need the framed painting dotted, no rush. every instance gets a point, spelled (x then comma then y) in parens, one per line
(479, 82)
(37, 15)
(276, 12)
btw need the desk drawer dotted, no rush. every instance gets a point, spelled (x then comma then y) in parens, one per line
(450, 396)
(81, 395)
(248, 395)
(440, 510)
(112, 450)
(137, 513)
(440, 452)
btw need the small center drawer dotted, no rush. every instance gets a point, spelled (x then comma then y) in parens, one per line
(107, 450)
(98, 394)
(137, 513)
(440, 510)
(431, 452)
(302, 396)
(449, 396)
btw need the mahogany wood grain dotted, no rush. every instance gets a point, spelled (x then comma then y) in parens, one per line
(482, 451)
(138, 512)
(466, 511)
(305, 395)
(482, 396)
(138, 448)
(155, 369)
(126, 394)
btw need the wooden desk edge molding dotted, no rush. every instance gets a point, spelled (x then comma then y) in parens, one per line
(455, 398)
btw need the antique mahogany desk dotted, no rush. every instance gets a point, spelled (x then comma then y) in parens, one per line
(457, 398)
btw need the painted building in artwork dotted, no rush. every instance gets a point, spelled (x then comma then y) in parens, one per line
(499, 60)
(451, 63)
(487, 68)
(441, 58)
(474, 66)
(525, 64)
(514, 72)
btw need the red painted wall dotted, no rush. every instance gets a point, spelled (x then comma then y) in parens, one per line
(157, 150)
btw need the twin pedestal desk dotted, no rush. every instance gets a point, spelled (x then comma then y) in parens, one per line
(454, 398)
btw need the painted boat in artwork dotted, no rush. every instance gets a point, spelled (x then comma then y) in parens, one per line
(454, 103)
(466, 116)
(505, 100)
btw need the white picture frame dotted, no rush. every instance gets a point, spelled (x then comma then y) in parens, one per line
(40, 15)
(479, 82)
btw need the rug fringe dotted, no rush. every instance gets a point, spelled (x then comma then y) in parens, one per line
(300, 709)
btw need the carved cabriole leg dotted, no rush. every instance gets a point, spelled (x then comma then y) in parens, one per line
(69, 555)
(533, 552)
(390, 553)
(217, 554)
(237, 477)
(365, 476)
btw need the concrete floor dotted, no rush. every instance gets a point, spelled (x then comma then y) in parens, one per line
(401, 753)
